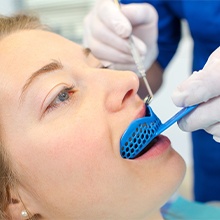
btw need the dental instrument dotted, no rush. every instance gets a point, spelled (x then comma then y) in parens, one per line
(143, 131)
(139, 63)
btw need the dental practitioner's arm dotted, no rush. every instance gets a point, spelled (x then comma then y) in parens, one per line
(202, 87)
(106, 32)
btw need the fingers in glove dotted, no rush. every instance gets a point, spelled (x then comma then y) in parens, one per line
(99, 38)
(143, 18)
(109, 54)
(139, 14)
(204, 116)
(200, 86)
(215, 131)
(217, 139)
(97, 31)
(113, 18)
(114, 41)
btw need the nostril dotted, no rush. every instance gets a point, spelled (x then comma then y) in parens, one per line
(127, 95)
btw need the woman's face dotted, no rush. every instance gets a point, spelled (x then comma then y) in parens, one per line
(62, 117)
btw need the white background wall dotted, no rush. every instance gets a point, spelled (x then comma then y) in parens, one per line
(178, 70)
(8, 7)
(63, 16)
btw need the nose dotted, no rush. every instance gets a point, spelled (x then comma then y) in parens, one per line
(121, 88)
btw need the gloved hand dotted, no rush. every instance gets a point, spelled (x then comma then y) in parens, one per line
(202, 87)
(107, 28)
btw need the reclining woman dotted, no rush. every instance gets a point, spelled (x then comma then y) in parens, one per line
(62, 116)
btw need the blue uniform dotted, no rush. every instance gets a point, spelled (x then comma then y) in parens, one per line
(203, 18)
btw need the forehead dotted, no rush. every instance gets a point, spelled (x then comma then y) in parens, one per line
(34, 46)
(24, 52)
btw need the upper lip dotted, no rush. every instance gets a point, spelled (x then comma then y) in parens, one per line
(142, 111)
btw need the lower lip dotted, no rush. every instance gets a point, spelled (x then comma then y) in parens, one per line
(162, 145)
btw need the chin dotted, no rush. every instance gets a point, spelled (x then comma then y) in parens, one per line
(171, 177)
(162, 182)
(175, 176)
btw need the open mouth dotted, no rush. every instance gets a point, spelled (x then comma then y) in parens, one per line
(140, 135)
(147, 147)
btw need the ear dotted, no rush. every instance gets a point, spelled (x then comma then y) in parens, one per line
(16, 208)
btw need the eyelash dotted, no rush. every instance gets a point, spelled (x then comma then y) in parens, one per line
(53, 105)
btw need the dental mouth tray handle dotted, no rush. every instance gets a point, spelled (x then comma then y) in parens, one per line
(180, 114)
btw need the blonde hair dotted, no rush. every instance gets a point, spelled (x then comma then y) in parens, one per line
(10, 25)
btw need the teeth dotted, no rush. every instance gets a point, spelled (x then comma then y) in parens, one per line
(148, 147)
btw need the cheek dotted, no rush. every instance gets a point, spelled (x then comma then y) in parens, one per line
(68, 152)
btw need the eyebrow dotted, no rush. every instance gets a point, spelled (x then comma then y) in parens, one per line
(55, 65)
